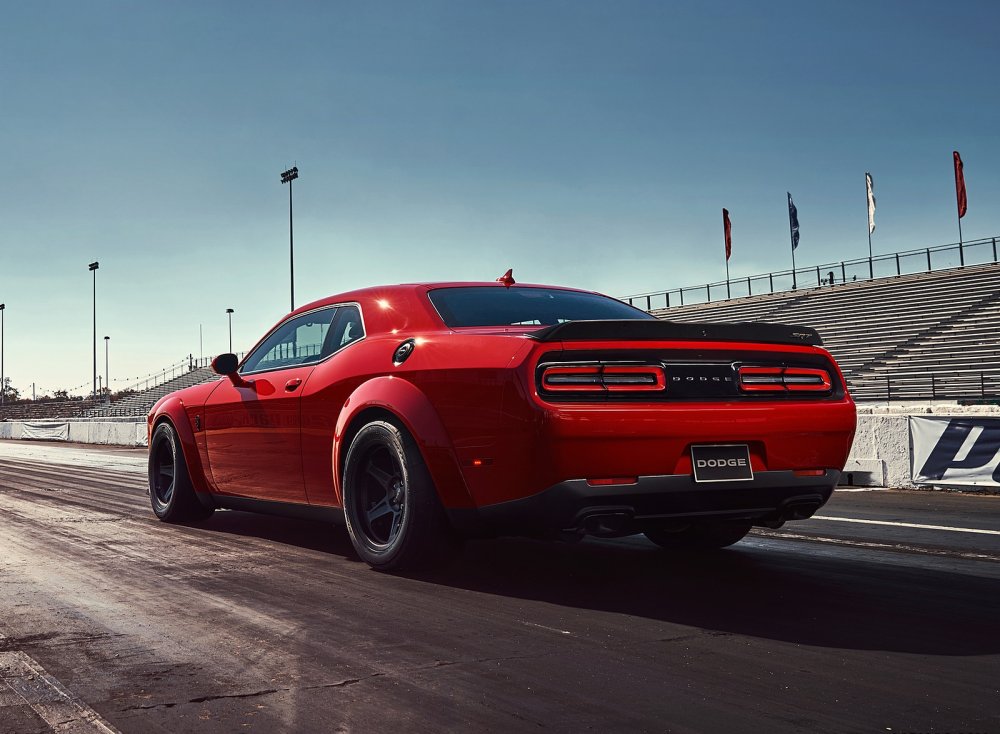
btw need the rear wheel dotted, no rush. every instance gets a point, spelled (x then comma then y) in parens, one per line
(701, 536)
(170, 490)
(394, 516)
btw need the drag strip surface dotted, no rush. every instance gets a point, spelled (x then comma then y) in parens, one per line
(253, 623)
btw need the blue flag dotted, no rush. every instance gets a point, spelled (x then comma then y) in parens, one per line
(793, 221)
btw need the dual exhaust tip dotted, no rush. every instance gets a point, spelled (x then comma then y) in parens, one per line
(620, 522)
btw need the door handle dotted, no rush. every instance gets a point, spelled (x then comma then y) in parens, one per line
(292, 384)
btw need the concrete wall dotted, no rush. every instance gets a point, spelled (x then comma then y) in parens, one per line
(882, 445)
(880, 456)
(118, 433)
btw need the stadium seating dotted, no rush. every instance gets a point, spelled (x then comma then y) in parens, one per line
(135, 405)
(916, 336)
(140, 403)
(43, 409)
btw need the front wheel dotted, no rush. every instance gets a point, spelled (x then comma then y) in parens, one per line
(701, 536)
(170, 490)
(394, 516)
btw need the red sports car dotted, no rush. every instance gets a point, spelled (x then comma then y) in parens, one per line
(421, 414)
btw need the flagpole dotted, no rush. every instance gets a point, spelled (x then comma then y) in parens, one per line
(871, 268)
(726, 236)
(791, 239)
(960, 200)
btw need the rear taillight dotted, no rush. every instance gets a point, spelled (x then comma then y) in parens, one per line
(603, 378)
(784, 379)
(575, 379)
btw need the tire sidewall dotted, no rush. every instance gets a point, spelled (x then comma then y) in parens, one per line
(162, 433)
(183, 505)
(425, 538)
(378, 433)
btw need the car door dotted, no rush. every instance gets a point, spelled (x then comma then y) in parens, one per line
(253, 429)
(324, 397)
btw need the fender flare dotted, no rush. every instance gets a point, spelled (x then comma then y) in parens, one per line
(171, 410)
(413, 409)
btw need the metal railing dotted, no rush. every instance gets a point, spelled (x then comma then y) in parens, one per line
(157, 378)
(941, 257)
(967, 386)
(183, 366)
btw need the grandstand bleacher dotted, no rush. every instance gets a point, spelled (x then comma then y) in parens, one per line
(924, 336)
(137, 404)
(140, 403)
(31, 410)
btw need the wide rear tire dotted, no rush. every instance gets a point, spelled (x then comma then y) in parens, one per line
(170, 490)
(701, 536)
(394, 517)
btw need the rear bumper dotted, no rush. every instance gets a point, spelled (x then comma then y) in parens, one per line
(654, 501)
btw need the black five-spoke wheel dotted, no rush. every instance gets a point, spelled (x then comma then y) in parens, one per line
(383, 495)
(394, 516)
(170, 490)
(161, 473)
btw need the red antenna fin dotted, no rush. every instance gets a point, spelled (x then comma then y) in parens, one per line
(507, 278)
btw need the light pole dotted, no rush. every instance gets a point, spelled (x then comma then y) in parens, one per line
(107, 373)
(3, 383)
(93, 268)
(286, 178)
(229, 313)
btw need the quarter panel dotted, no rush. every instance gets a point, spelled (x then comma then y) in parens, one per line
(324, 396)
(404, 400)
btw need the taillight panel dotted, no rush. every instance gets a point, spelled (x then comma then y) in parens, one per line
(683, 375)
(784, 379)
(602, 378)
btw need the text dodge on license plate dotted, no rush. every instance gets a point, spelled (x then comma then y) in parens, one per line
(721, 463)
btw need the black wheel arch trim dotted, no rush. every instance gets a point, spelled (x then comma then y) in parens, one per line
(199, 480)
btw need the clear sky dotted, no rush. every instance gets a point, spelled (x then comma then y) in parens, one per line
(582, 143)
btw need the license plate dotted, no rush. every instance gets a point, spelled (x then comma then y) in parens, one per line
(721, 463)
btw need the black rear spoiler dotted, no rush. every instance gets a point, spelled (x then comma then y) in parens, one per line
(658, 330)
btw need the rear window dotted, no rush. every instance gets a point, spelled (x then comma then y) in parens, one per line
(519, 306)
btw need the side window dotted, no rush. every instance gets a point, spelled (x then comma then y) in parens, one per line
(347, 327)
(298, 341)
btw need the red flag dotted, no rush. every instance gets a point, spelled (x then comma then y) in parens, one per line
(728, 227)
(963, 203)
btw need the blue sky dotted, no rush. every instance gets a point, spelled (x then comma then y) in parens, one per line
(581, 143)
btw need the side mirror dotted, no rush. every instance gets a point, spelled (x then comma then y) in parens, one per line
(226, 364)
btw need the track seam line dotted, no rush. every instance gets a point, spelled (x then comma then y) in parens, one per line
(916, 525)
(65, 709)
(777, 535)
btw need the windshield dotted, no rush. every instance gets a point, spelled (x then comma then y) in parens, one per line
(492, 306)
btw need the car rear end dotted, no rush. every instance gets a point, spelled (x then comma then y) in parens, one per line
(618, 426)
(638, 434)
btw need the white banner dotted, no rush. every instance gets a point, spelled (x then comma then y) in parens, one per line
(960, 450)
(48, 431)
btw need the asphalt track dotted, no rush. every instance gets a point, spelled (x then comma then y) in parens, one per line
(110, 620)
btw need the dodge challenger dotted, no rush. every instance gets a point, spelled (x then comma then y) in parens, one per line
(422, 414)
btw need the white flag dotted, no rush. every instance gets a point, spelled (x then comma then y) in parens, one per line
(871, 204)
